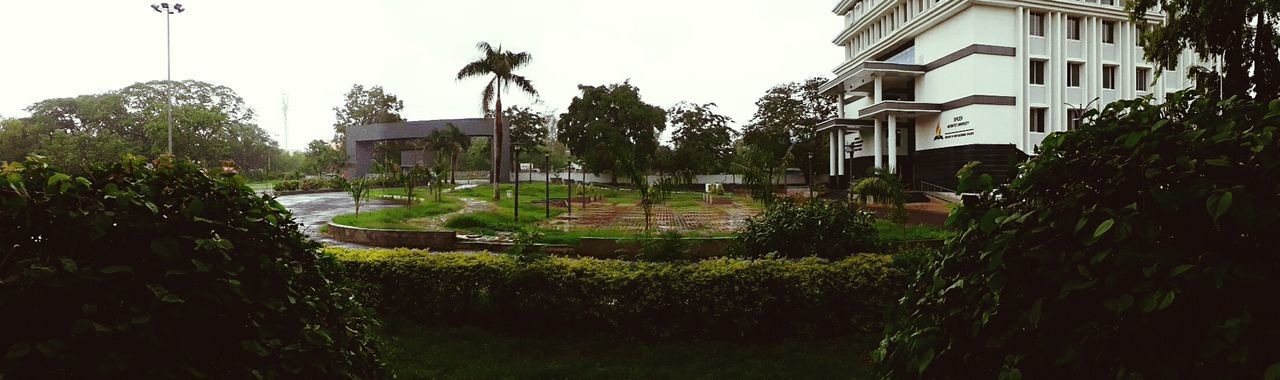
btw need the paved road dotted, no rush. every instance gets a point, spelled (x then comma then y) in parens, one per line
(314, 210)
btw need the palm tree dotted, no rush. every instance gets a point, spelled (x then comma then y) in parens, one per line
(459, 143)
(501, 65)
(438, 143)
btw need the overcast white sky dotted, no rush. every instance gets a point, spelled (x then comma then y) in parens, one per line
(723, 51)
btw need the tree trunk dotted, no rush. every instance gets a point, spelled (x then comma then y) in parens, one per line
(453, 168)
(497, 142)
(1266, 61)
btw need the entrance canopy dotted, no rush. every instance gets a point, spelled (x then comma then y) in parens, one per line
(361, 139)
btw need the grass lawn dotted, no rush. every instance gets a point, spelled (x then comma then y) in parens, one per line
(399, 217)
(475, 353)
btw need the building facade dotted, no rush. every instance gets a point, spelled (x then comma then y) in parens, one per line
(930, 85)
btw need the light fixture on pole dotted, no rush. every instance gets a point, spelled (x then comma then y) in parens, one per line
(809, 176)
(168, 63)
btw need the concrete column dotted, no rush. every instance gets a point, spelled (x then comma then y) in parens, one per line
(840, 132)
(840, 102)
(893, 143)
(879, 90)
(832, 156)
(879, 140)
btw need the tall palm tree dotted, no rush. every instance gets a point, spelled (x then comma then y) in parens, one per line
(501, 65)
(458, 144)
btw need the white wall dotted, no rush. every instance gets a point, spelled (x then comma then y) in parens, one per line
(732, 179)
(974, 124)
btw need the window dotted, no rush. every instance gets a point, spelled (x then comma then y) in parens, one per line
(1109, 77)
(1037, 120)
(1143, 79)
(1075, 118)
(1073, 74)
(1037, 72)
(1037, 24)
(1073, 28)
(1108, 32)
(1109, 2)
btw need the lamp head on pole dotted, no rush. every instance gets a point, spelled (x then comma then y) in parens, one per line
(166, 8)
(848, 148)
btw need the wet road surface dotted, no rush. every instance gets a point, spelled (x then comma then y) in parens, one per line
(314, 210)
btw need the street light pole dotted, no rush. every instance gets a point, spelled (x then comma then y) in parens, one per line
(809, 177)
(515, 157)
(569, 183)
(546, 168)
(168, 63)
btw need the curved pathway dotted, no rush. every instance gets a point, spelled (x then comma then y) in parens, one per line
(317, 209)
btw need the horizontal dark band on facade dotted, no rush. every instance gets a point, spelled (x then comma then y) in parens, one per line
(991, 100)
(904, 106)
(1004, 51)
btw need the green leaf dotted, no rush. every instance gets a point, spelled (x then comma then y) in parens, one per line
(1118, 304)
(58, 178)
(116, 269)
(18, 350)
(1218, 162)
(924, 361)
(1218, 204)
(1272, 373)
(1157, 301)
(989, 220)
(1180, 270)
(1103, 228)
(1034, 314)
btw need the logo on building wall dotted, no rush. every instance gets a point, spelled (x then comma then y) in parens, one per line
(958, 127)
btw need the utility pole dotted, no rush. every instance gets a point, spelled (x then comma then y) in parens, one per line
(284, 113)
(546, 169)
(168, 56)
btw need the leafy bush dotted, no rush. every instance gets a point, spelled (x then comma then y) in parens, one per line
(155, 270)
(1139, 246)
(792, 228)
(725, 298)
(664, 247)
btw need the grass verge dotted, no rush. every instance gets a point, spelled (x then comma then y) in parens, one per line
(398, 217)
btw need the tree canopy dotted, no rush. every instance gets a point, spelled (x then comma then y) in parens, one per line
(363, 107)
(1241, 34)
(786, 119)
(703, 140)
(611, 129)
(211, 123)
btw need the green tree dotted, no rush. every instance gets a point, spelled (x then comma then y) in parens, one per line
(786, 119)
(1140, 246)
(322, 157)
(211, 124)
(611, 129)
(363, 107)
(1239, 33)
(501, 65)
(528, 127)
(703, 139)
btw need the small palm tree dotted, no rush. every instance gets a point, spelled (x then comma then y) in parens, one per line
(883, 186)
(501, 65)
(359, 191)
(759, 172)
(459, 143)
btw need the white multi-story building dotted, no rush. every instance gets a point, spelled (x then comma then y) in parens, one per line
(930, 85)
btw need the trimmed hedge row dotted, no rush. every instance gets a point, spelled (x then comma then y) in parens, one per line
(721, 298)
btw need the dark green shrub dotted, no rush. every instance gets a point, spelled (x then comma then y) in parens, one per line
(792, 228)
(1139, 246)
(155, 270)
(719, 298)
(664, 247)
